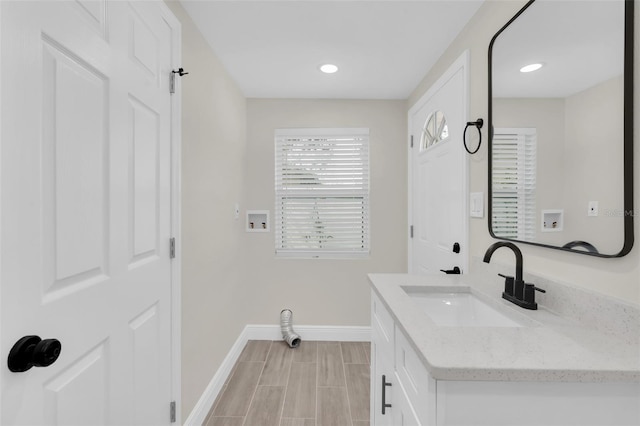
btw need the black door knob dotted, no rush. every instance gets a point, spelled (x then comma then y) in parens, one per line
(32, 351)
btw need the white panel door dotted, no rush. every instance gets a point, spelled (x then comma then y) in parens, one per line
(439, 176)
(85, 193)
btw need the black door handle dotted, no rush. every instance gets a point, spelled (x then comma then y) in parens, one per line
(384, 394)
(454, 271)
(32, 351)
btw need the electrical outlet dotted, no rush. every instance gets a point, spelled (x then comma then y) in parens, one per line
(593, 208)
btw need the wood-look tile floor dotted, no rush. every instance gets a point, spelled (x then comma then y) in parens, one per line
(316, 384)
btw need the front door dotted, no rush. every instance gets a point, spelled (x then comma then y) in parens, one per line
(85, 193)
(439, 176)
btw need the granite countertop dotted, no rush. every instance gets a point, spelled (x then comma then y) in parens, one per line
(547, 348)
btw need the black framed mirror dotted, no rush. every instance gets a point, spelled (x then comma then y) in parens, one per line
(561, 127)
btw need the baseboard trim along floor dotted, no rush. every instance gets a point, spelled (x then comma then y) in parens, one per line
(268, 332)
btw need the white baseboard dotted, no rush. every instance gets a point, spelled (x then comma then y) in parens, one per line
(201, 410)
(311, 332)
(267, 332)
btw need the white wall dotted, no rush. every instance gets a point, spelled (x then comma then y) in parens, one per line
(322, 291)
(594, 124)
(213, 154)
(618, 278)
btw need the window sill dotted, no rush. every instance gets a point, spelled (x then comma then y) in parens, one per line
(334, 255)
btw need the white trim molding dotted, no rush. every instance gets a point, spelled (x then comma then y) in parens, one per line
(176, 232)
(268, 332)
(311, 333)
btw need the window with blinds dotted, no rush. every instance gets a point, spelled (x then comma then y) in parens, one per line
(514, 183)
(322, 193)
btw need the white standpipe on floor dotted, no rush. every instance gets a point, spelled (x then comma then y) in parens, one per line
(286, 327)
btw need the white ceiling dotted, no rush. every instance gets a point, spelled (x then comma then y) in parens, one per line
(273, 49)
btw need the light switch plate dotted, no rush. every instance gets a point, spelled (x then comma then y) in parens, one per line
(476, 204)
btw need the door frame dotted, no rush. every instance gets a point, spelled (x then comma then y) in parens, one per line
(176, 211)
(176, 231)
(462, 63)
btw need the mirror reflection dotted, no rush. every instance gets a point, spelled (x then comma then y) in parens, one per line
(557, 112)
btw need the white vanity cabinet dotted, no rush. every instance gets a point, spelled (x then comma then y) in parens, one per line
(382, 338)
(418, 386)
(416, 398)
(398, 379)
(483, 403)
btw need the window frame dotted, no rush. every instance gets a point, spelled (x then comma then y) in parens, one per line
(324, 195)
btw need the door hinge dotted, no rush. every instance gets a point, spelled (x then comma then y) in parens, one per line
(172, 248)
(411, 141)
(172, 411)
(411, 231)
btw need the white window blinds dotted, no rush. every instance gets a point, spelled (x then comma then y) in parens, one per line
(322, 192)
(514, 183)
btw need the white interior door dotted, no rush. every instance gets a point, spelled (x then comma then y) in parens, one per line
(85, 193)
(439, 176)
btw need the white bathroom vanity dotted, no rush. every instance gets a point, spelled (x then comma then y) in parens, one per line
(448, 350)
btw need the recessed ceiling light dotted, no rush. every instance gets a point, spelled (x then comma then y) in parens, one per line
(328, 68)
(531, 67)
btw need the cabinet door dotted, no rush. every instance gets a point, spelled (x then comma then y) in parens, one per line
(383, 382)
(403, 412)
(383, 321)
(537, 403)
(416, 382)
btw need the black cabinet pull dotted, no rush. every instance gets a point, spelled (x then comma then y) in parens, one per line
(384, 394)
(455, 271)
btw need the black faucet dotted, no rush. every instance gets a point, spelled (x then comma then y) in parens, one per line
(515, 289)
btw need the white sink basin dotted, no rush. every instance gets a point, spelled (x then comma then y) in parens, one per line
(458, 307)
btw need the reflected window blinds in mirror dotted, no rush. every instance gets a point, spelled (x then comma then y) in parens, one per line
(577, 101)
(514, 184)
